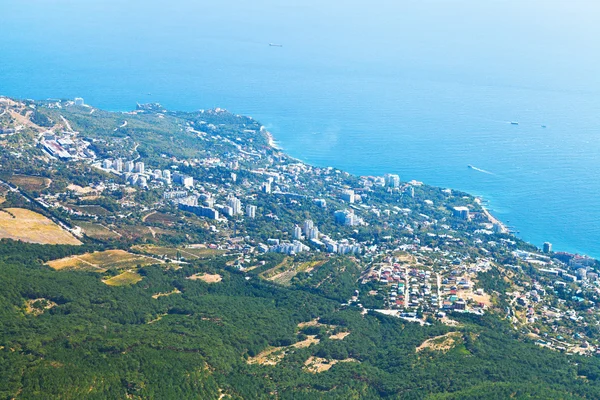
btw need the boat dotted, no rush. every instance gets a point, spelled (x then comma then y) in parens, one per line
(470, 166)
(543, 126)
(275, 45)
(514, 123)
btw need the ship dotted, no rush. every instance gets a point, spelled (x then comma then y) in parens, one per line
(275, 45)
(514, 123)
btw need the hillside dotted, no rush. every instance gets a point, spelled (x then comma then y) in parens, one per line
(202, 262)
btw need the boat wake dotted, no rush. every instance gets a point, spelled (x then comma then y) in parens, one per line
(480, 170)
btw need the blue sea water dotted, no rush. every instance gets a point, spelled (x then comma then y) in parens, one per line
(419, 88)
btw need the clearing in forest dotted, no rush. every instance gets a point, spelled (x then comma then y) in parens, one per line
(273, 355)
(103, 260)
(29, 226)
(441, 343)
(174, 291)
(208, 278)
(126, 278)
(315, 365)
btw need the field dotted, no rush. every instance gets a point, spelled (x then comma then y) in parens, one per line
(29, 226)
(101, 261)
(185, 252)
(286, 270)
(97, 231)
(126, 278)
(30, 183)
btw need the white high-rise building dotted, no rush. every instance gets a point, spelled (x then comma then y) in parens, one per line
(235, 204)
(107, 164)
(308, 225)
(392, 180)
(266, 187)
(79, 101)
(118, 165)
(166, 174)
(251, 211)
(348, 196)
(313, 233)
(129, 167)
(139, 167)
(298, 233)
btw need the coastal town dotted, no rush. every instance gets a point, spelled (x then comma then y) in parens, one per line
(214, 180)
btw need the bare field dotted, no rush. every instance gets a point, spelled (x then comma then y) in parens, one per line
(29, 226)
(126, 278)
(101, 261)
(30, 183)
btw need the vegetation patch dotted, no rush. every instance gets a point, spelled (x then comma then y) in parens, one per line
(29, 226)
(126, 278)
(103, 260)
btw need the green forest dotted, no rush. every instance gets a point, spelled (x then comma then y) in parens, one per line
(67, 335)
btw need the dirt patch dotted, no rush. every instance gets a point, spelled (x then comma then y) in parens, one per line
(441, 343)
(81, 190)
(316, 365)
(29, 226)
(339, 336)
(485, 299)
(38, 306)
(273, 355)
(208, 278)
(174, 291)
(310, 340)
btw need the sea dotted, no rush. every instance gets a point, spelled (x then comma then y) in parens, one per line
(418, 88)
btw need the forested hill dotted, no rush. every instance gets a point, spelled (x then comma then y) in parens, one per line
(68, 335)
